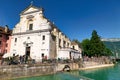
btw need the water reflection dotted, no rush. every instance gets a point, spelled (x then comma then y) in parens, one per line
(52, 77)
(111, 73)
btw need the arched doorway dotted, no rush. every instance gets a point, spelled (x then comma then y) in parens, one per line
(28, 51)
(27, 54)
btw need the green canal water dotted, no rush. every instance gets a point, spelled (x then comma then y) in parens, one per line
(109, 73)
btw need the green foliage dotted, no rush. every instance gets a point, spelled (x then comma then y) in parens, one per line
(86, 47)
(114, 46)
(97, 46)
(107, 52)
(94, 46)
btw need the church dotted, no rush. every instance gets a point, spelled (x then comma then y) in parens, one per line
(37, 37)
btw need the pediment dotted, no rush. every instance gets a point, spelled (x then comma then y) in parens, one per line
(31, 9)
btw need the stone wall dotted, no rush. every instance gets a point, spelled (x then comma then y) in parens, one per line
(73, 66)
(17, 71)
(29, 70)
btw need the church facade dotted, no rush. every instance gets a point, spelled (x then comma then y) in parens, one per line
(39, 38)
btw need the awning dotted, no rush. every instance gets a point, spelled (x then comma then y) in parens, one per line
(6, 55)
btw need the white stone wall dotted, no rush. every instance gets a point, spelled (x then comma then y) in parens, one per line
(63, 54)
(22, 32)
(38, 47)
(38, 20)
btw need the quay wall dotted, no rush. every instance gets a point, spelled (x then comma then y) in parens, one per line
(18, 71)
(73, 66)
(29, 70)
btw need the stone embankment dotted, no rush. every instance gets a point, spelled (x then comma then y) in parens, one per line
(28, 70)
(93, 65)
(83, 66)
(73, 66)
(17, 71)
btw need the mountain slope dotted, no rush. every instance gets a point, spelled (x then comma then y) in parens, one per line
(114, 46)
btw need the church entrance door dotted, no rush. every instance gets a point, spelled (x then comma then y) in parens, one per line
(27, 53)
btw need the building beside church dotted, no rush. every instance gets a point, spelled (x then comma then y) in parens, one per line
(37, 37)
(5, 32)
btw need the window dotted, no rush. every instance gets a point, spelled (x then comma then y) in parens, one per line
(68, 44)
(6, 45)
(64, 43)
(59, 42)
(53, 37)
(42, 55)
(30, 26)
(7, 37)
(28, 37)
(0, 36)
(15, 39)
(5, 51)
(73, 47)
(43, 38)
(0, 42)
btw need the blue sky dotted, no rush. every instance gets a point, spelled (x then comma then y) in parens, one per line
(76, 18)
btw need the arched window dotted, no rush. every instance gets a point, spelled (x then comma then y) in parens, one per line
(42, 55)
(30, 25)
(43, 38)
(15, 39)
(73, 47)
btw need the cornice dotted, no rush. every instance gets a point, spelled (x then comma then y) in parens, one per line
(31, 31)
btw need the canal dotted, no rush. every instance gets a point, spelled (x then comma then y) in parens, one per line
(109, 73)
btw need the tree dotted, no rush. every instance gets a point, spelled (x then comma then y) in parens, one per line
(97, 46)
(107, 52)
(94, 46)
(86, 47)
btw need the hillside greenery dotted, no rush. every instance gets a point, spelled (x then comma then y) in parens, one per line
(114, 46)
(94, 46)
